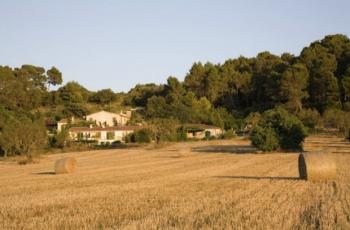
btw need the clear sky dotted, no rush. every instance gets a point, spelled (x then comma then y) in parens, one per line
(117, 44)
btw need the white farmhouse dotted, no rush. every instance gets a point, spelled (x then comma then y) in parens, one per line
(108, 119)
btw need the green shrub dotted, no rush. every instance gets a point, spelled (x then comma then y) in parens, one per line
(338, 119)
(181, 133)
(292, 135)
(311, 118)
(278, 129)
(143, 135)
(229, 134)
(264, 138)
(252, 119)
(346, 106)
(59, 140)
(116, 142)
(75, 109)
(164, 129)
(23, 137)
(130, 138)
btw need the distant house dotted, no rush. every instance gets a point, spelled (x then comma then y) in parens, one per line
(101, 134)
(108, 127)
(101, 119)
(200, 131)
(64, 122)
(108, 119)
(50, 124)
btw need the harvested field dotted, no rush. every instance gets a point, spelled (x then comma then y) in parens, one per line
(209, 185)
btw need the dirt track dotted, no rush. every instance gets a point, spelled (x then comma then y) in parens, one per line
(217, 184)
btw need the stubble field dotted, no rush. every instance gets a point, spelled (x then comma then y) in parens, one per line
(208, 185)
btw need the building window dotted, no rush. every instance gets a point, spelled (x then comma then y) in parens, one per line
(97, 135)
(110, 135)
(80, 136)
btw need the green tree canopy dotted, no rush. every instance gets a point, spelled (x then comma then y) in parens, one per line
(73, 92)
(278, 129)
(54, 76)
(103, 97)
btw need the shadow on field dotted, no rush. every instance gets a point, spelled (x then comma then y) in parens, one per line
(239, 149)
(45, 173)
(258, 177)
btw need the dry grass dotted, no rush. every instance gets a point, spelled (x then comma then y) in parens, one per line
(176, 188)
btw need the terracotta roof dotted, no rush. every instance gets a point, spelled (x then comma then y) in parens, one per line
(63, 121)
(50, 122)
(96, 129)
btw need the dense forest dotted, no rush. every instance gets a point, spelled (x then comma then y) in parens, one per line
(314, 86)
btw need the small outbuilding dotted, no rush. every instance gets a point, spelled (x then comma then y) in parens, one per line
(200, 131)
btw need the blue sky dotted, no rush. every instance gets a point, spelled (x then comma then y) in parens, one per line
(117, 44)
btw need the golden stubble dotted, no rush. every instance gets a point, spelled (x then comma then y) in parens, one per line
(207, 185)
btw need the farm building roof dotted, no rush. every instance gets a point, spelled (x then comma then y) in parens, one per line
(64, 120)
(201, 126)
(96, 129)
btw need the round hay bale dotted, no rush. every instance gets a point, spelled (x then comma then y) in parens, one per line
(65, 165)
(317, 166)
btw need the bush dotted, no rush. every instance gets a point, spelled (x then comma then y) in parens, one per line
(252, 119)
(264, 138)
(346, 106)
(75, 109)
(181, 133)
(116, 142)
(143, 135)
(23, 137)
(59, 140)
(229, 134)
(164, 129)
(310, 118)
(222, 118)
(338, 119)
(278, 129)
(130, 138)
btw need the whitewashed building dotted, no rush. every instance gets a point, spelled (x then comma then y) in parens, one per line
(101, 134)
(199, 131)
(108, 119)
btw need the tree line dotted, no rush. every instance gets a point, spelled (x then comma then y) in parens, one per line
(314, 84)
(319, 78)
(311, 86)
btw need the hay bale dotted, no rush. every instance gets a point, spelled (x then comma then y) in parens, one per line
(65, 165)
(317, 166)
